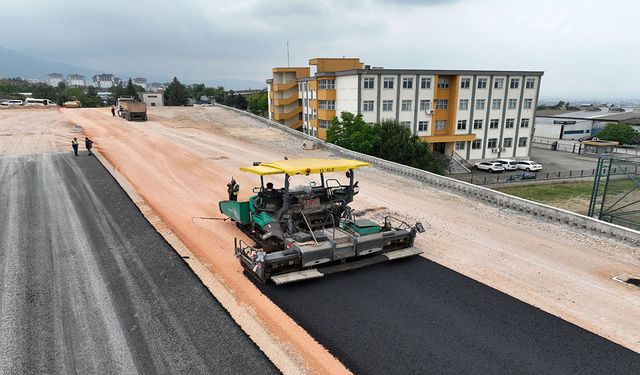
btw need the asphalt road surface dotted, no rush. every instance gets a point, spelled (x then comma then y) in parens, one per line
(414, 316)
(88, 286)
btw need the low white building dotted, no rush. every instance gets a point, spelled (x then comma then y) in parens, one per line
(152, 99)
(140, 82)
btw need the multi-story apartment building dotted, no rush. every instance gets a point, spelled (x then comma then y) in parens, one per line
(76, 80)
(104, 81)
(473, 113)
(53, 79)
(140, 82)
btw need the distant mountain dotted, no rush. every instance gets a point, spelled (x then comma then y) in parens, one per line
(16, 64)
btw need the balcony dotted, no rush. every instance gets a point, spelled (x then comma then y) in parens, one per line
(284, 86)
(286, 101)
(287, 115)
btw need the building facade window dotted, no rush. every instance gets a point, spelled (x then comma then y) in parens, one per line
(407, 83)
(406, 105)
(507, 142)
(512, 103)
(443, 83)
(425, 105)
(387, 82)
(522, 142)
(524, 123)
(530, 83)
(324, 124)
(465, 83)
(476, 144)
(494, 123)
(326, 84)
(462, 124)
(492, 143)
(515, 83)
(498, 83)
(406, 123)
(508, 124)
(442, 103)
(527, 103)
(463, 104)
(327, 105)
(367, 106)
(423, 126)
(480, 103)
(441, 124)
(387, 105)
(482, 83)
(496, 103)
(425, 83)
(460, 145)
(369, 82)
(477, 124)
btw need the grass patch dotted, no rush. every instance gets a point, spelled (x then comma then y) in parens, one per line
(566, 190)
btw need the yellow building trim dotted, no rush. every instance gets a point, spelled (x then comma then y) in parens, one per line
(326, 94)
(313, 103)
(313, 85)
(448, 138)
(326, 114)
(333, 64)
(296, 125)
(322, 134)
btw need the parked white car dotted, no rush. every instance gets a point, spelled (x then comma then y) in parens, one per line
(489, 166)
(529, 165)
(508, 164)
(12, 102)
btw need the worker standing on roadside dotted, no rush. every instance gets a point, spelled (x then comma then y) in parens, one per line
(88, 144)
(233, 189)
(74, 144)
(113, 111)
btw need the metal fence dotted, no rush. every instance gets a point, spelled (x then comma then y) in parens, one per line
(490, 179)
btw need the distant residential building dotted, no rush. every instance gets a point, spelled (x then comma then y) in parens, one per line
(53, 79)
(156, 87)
(31, 80)
(476, 114)
(76, 80)
(152, 99)
(141, 82)
(104, 81)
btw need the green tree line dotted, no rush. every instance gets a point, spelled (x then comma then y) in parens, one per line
(387, 140)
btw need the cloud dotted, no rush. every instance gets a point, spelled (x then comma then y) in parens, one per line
(578, 46)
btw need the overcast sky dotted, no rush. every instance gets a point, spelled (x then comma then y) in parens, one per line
(586, 48)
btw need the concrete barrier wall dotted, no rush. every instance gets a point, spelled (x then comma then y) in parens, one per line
(492, 197)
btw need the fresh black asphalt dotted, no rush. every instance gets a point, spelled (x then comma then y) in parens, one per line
(88, 286)
(414, 316)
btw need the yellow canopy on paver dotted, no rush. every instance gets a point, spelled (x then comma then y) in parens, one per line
(304, 166)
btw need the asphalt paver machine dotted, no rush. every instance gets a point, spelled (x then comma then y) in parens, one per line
(306, 229)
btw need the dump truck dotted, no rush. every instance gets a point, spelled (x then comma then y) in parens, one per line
(131, 110)
(309, 230)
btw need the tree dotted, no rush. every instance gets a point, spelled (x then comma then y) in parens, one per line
(175, 94)
(351, 132)
(235, 100)
(620, 132)
(130, 90)
(44, 91)
(196, 91)
(215, 93)
(258, 104)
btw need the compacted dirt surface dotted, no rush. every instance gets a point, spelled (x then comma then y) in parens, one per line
(404, 317)
(87, 285)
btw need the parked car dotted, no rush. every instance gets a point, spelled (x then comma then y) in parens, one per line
(12, 102)
(508, 164)
(489, 166)
(529, 165)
